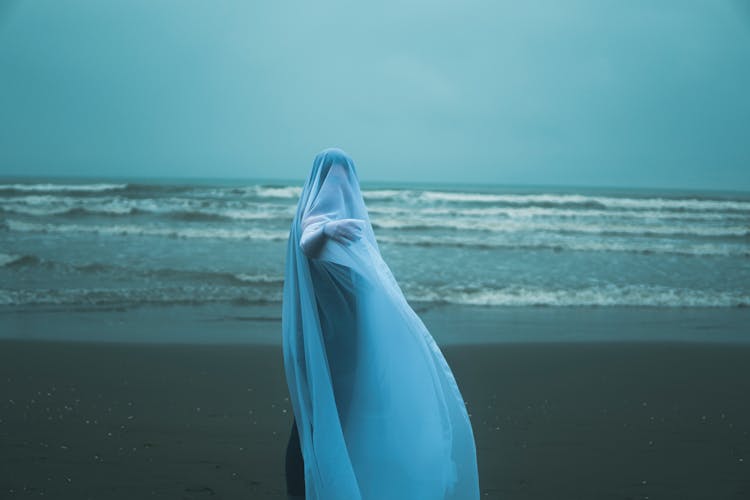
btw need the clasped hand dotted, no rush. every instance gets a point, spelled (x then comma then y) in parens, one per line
(344, 230)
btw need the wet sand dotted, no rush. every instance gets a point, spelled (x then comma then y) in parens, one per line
(576, 420)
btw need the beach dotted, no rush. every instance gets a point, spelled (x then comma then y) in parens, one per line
(598, 335)
(188, 419)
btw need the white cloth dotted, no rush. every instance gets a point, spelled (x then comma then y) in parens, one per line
(379, 413)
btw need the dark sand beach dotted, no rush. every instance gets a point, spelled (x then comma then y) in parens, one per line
(552, 420)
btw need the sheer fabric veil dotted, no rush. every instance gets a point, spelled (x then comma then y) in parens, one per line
(378, 410)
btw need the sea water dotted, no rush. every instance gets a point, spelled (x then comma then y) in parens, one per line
(87, 243)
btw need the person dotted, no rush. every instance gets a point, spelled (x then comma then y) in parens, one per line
(377, 411)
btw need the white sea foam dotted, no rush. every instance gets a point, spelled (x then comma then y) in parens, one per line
(632, 295)
(550, 213)
(387, 194)
(144, 230)
(275, 192)
(259, 278)
(254, 214)
(511, 296)
(572, 244)
(43, 206)
(62, 187)
(589, 227)
(606, 202)
(561, 243)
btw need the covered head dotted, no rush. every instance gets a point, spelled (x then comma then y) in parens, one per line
(332, 192)
(333, 180)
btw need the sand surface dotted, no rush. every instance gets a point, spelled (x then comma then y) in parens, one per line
(82, 420)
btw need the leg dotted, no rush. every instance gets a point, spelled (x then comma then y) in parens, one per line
(295, 466)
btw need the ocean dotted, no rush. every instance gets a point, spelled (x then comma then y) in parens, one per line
(68, 244)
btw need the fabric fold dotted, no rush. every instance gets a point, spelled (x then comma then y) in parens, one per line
(378, 410)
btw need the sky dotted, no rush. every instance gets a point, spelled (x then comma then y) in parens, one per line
(582, 92)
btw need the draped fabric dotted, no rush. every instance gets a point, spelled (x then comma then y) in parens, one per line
(378, 410)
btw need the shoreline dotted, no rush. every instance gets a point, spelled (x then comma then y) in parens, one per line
(448, 324)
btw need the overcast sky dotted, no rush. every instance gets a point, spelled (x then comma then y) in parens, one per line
(636, 93)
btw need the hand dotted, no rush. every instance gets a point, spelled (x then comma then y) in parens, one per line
(344, 231)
